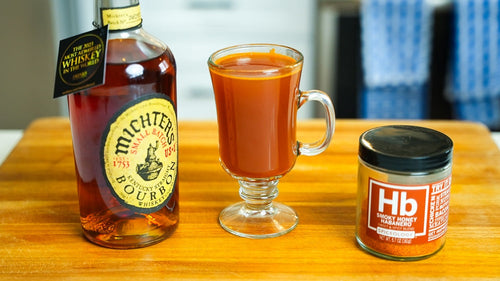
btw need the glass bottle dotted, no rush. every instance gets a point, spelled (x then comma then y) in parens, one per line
(125, 136)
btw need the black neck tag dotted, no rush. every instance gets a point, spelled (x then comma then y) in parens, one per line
(81, 62)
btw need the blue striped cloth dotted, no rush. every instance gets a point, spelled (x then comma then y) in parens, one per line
(395, 102)
(396, 42)
(475, 73)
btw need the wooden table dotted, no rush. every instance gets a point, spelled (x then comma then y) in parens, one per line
(40, 236)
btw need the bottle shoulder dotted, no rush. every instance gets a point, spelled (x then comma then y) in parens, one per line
(134, 46)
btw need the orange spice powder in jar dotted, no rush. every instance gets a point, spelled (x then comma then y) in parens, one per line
(404, 182)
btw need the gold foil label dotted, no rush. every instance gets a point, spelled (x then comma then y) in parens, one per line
(122, 18)
(139, 153)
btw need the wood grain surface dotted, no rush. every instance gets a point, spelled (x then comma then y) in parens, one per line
(40, 235)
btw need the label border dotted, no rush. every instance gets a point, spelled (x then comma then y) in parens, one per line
(399, 187)
(104, 136)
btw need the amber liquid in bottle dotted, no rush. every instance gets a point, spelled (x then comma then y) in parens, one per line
(130, 74)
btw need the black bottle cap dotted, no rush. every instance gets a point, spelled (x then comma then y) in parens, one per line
(405, 148)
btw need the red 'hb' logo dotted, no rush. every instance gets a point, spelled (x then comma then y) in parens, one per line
(398, 212)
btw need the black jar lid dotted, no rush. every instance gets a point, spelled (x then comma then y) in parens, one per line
(405, 148)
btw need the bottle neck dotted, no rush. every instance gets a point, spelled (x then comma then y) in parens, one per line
(119, 15)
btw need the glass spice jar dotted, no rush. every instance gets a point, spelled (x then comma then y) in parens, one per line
(404, 182)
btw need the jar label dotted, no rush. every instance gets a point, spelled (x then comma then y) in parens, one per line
(121, 18)
(139, 153)
(408, 214)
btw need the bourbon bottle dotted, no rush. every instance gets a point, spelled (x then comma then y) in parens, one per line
(125, 136)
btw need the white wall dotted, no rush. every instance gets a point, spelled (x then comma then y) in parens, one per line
(196, 28)
(31, 30)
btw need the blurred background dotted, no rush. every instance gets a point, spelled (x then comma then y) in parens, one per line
(385, 59)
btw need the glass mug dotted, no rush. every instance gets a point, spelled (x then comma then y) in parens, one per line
(257, 96)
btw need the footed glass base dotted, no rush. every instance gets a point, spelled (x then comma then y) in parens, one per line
(258, 216)
(243, 220)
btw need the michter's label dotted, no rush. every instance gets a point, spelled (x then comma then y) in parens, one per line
(121, 18)
(139, 153)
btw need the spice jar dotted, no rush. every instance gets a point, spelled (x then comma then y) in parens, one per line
(404, 181)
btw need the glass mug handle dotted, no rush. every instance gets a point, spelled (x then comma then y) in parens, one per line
(315, 148)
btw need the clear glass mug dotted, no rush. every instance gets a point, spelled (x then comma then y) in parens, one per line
(257, 96)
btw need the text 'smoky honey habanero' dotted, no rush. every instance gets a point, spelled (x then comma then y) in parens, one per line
(125, 136)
